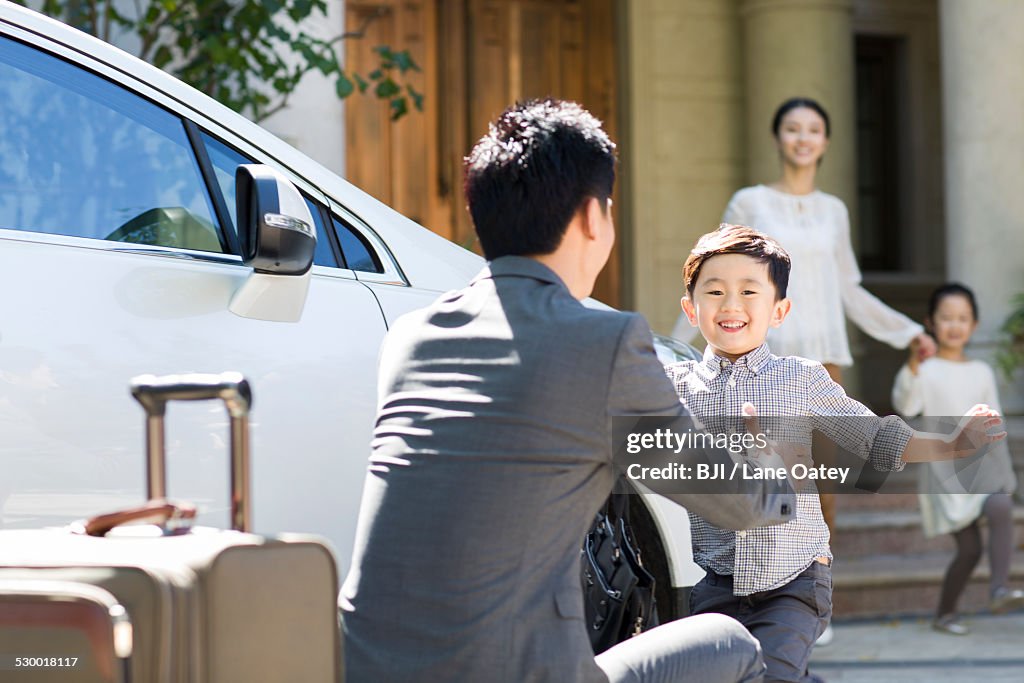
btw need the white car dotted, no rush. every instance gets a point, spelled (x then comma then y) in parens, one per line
(120, 256)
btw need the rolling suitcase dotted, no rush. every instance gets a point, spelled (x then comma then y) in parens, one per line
(166, 602)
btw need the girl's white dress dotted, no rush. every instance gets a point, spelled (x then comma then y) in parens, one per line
(825, 282)
(944, 388)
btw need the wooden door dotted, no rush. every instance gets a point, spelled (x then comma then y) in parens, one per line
(479, 56)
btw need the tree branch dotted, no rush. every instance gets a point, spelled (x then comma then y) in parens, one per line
(380, 11)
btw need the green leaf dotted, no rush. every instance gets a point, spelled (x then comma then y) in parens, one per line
(376, 75)
(399, 108)
(162, 57)
(404, 61)
(361, 83)
(387, 88)
(343, 86)
(417, 98)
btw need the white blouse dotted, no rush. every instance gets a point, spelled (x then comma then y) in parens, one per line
(948, 389)
(825, 282)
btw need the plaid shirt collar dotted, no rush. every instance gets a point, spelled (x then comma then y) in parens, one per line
(754, 361)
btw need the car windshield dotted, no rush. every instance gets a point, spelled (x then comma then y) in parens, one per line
(671, 350)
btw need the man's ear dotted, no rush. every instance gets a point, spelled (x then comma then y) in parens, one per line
(691, 313)
(593, 213)
(780, 311)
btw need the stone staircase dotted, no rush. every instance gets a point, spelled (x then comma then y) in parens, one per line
(885, 566)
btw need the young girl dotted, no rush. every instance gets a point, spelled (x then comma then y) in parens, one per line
(948, 384)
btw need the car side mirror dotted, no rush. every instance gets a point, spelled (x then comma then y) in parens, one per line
(277, 238)
(275, 229)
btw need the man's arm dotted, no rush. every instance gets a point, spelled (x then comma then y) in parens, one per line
(639, 387)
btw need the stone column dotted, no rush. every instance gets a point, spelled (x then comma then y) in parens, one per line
(801, 48)
(983, 122)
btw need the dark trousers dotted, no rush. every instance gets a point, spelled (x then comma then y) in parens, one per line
(787, 620)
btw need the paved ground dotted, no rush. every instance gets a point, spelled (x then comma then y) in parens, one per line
(905, 650)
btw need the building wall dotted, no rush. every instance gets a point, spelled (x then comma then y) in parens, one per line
(314, 121)
(684, 152)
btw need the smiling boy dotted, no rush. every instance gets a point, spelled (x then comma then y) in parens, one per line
(777, 581)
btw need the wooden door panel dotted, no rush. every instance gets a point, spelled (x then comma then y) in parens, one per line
(479, 56)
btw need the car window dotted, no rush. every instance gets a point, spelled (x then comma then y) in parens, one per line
(225, 160)
(82, 156)
(359, 255)
(324, 254)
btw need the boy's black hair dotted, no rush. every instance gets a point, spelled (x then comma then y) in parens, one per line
(951, 289)
(537, 165)
(796, 103)
(739, 239)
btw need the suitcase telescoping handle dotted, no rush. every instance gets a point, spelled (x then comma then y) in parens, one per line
(154, 393)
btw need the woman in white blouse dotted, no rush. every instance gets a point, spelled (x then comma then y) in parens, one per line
(814, 227)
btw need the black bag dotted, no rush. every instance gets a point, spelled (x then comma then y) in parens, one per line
(618, 592)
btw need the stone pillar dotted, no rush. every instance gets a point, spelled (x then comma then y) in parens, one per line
(801, 48)
(983, 122)
(683, 154)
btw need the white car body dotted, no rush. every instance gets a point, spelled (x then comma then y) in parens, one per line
(80, 316)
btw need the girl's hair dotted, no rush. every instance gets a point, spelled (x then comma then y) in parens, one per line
(796, 103)
(951, 289)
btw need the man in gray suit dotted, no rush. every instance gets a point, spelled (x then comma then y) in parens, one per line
(492, 448)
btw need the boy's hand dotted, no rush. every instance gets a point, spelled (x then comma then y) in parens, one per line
(973, 431)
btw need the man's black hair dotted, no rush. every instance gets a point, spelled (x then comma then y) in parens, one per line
(537, 165)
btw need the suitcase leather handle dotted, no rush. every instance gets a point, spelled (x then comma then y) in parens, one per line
(158, 512)
(154, 393)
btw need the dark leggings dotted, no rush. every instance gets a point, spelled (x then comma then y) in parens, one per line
(997, 510)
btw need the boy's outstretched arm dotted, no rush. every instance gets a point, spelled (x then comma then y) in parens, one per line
(970, 436)
(639, 387)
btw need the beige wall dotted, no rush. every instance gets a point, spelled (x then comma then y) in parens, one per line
(684, 151)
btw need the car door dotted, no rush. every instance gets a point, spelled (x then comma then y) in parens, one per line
(118, 258)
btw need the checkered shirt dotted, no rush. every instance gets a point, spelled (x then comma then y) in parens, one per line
(715, 390)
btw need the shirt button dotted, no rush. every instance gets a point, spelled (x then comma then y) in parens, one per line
(741, 534)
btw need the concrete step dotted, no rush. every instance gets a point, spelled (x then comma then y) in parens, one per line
(886, 567)
(906, 584)
(866, 533)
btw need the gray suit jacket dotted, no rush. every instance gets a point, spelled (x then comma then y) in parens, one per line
(491, 455)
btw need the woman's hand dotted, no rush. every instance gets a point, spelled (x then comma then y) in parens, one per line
(925, 345)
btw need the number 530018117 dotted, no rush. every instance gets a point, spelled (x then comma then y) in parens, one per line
(44, 662)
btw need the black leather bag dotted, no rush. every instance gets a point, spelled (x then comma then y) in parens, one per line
(618, 592)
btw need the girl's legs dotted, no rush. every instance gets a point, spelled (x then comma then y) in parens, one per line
(968, 552)
(998, 511)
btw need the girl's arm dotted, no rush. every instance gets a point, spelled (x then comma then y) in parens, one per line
(907, 393)
(991, 393)
(863, 308)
